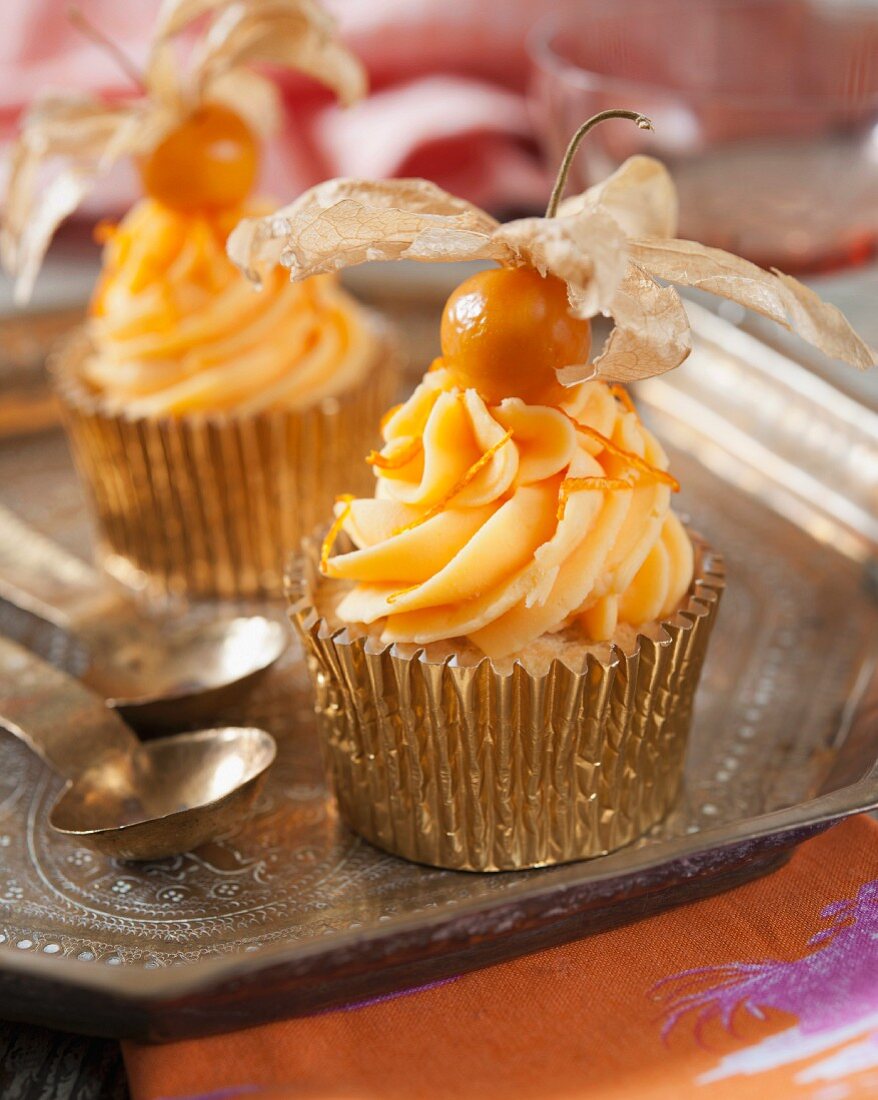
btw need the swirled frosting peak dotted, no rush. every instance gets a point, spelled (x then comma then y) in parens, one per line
(502, 523)
(176, 329)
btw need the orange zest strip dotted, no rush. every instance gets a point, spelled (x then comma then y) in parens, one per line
(399, 458)
(578, 484)
(335, 530)
(402, 592)
(622, 395)
(628, 456)
(472, 472)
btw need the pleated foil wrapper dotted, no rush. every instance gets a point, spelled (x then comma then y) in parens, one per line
(212, 506)
(477, 769)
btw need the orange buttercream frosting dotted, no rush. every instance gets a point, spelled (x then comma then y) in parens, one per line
(176, 329)
(501, 523)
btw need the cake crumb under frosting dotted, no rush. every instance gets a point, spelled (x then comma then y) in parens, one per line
(566, 645)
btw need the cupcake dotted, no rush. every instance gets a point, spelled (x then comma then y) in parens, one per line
(507, 635)
(212, 426)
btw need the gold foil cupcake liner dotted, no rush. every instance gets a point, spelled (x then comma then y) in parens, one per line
(475, 769)
(206, 505)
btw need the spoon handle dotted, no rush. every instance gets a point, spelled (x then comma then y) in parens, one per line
(65, 723)
(38, 576)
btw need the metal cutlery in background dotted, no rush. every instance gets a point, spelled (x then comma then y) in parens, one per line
(126, 798)
(159, 673)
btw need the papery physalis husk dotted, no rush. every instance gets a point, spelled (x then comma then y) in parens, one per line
(85, 136)
(342, 223)
(773, 294)
(610, 245)
(651, 334)
(67, 142)
(640, 196)
(295, 34)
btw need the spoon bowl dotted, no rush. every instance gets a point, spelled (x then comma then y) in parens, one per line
(161, 673)
(191, 673)
(178, 793)
(129, 799)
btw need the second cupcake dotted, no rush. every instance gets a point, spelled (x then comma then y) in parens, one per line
(211, 425)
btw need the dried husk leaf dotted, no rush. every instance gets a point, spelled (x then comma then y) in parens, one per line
(586, 251)
(175, 15)
(651, 335)
(333, 65)
(342, 223)
(296, 34)
(163, 81)
(774, 295)
(255, 97)
(27, 233)
(73, 125)
(640, 197)
(75, 139)
(72, 141)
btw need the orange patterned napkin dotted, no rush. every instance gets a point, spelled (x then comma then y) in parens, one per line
(770, 990)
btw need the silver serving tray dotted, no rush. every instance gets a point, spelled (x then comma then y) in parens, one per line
(294, 913)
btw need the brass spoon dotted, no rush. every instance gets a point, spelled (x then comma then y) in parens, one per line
(158, 674)
(128, 799)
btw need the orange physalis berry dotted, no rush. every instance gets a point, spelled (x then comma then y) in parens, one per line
(208, 163)
(506, 331)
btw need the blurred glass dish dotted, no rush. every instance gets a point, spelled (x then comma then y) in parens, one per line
(765, 111)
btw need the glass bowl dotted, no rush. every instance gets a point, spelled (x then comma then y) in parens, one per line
(765, 113)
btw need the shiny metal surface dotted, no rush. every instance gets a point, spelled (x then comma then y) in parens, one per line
(126, 799)
(168, 675)
(160, 674)
(294, 911)
(773, 428)
(190, 788)
(507, 780)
